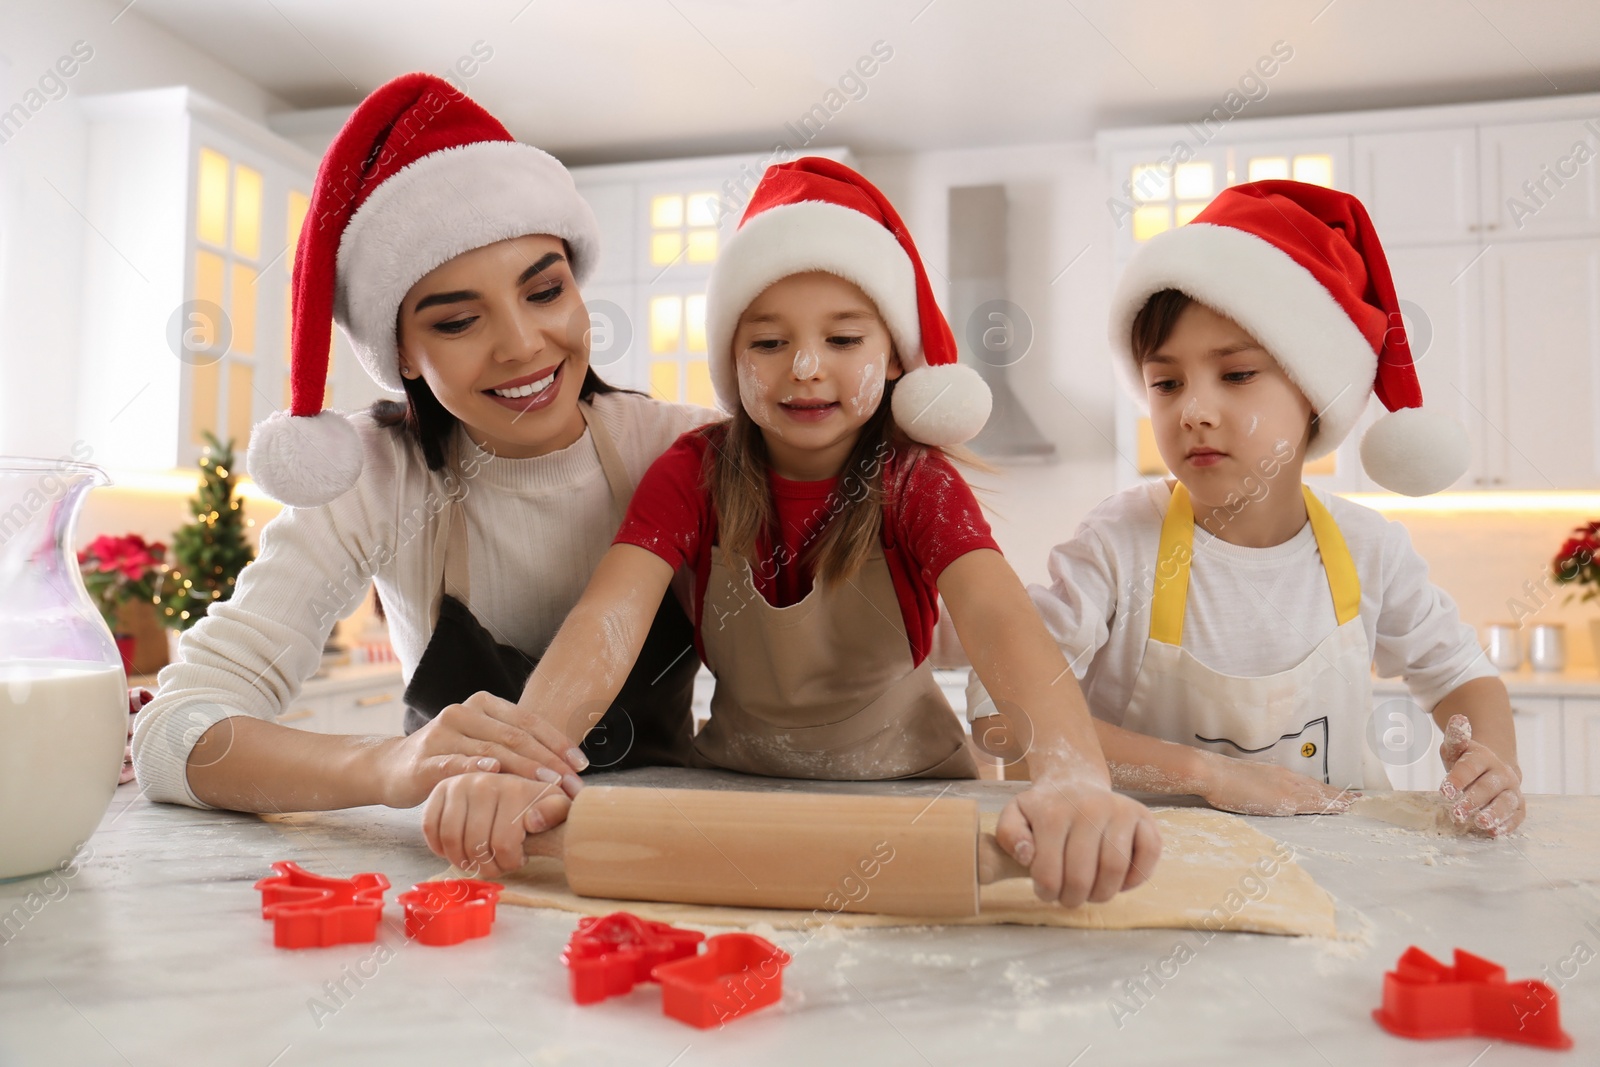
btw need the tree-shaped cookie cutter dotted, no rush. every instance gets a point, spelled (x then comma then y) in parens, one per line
(449, 911)
(1423, 998)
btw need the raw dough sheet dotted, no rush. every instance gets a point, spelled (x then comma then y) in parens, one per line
(1217, 872)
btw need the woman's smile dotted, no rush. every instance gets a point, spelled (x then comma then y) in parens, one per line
(529, 392)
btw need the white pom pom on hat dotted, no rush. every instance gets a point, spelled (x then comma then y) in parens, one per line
(1300, 267)
(305, 461)
(418, 175)
(816, 214)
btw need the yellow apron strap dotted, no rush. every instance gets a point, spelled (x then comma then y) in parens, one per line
(1171, 595)
(1170, 599)
(1343, 581)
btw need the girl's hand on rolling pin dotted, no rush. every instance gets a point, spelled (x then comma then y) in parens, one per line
(1079, 841)
(1249, 788)
(1486, 790)
(476, 736)
(479, 821)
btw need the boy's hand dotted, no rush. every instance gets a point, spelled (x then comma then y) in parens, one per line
(1249, 788)
(1079, 841)
(479, 821)
(1485, 789)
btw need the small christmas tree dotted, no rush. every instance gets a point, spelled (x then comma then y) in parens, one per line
(209, 553)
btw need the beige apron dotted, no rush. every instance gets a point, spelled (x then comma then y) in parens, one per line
(823, 688)
(1310, 718)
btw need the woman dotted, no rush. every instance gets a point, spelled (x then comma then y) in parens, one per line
(451, 255)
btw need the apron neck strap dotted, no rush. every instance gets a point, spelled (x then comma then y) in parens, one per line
(1170, 598)
(610, 461)
(450, 536)
(1343, 581)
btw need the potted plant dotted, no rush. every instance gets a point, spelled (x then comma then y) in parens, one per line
(1576, 566)
(121, 574)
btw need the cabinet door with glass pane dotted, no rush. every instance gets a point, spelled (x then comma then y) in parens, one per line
(683, 229)
(246, 212)
(200, 209)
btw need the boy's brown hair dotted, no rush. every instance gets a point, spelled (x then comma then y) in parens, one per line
(1154, 324)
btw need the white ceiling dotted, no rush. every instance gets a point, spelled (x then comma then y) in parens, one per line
(632, 79)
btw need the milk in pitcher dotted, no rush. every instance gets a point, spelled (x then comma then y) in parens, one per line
(63, 729)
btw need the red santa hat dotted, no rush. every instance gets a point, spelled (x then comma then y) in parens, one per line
(418, 175)
(815, 214)
(1300, 267)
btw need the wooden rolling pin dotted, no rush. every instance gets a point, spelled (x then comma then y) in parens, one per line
(806, 851)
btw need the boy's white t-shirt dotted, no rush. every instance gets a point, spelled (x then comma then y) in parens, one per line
(1251, 611)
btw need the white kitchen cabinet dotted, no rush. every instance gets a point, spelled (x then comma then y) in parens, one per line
(1540, 179)
(1541, 306)
(1580, 742)
(1419, 186)
(1439, 293)
(1558, 741)
(614, 205)
(193, 211)
(1538, 724)
(365, 700)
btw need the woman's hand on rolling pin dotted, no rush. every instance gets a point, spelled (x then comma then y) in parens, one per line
(476, 735)
(1249, 788)
(1079, 841)
(479, 821)
(1485, 790)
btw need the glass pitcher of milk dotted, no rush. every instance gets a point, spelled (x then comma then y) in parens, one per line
(63, 696)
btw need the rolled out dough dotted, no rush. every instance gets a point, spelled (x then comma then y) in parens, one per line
(1212, 876)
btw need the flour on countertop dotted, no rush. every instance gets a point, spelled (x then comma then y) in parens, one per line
(1428, 812)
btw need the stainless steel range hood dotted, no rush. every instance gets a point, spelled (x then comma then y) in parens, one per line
(992, 333)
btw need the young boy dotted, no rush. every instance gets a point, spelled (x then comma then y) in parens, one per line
(1225, 622)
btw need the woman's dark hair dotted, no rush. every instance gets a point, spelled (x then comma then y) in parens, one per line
(429, 423)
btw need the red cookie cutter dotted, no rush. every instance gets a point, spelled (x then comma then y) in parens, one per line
(611, 954)
(736, 974)
(449, 911)
(311, 911)
(1422, 998)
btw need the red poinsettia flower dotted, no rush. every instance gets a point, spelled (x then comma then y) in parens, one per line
(1578, 561)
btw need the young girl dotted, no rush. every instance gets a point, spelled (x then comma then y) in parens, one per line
(451, 255)
(1225, 622)
(819, 524)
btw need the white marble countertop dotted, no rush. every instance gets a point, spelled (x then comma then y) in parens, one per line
(154, 952)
